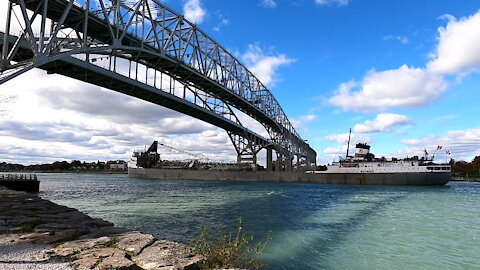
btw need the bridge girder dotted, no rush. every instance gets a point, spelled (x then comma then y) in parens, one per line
(158, 41)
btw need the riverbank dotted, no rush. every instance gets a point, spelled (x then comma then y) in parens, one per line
(69, 171)
(465, 179)
(39, 234)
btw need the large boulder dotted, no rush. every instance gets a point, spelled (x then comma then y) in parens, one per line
(133, 242)
(72, 248)
(163, 255)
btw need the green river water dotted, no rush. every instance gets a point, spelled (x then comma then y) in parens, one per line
(314, 226)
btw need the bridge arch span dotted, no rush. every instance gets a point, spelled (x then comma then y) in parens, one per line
(96, 41)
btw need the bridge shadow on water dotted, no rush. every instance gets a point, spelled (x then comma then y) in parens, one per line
(308, 221)
(328, 218)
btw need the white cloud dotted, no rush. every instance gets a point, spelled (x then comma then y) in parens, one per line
(342, 139)
(383, 122)
(458, 46)
(264, 65)
(401, 39)
(251, 123)
(223, 22)
(268, 3)
(300, 123)
(194, 12)
(462, 144)
(337, 3)
(457, 53)
(50, 117)
(201, 145)
(402, 87)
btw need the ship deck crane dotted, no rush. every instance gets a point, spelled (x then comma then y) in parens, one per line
(199, 157)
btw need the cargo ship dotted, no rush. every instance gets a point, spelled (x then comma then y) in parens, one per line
(361, 169)
(409, 171)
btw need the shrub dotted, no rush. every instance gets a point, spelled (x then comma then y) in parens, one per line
(228, 250)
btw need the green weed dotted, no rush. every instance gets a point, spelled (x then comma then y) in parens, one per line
(229, 250)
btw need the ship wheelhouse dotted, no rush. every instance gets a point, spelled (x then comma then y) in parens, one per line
(365, 162)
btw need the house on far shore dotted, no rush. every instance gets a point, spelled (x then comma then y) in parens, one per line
(117, 165)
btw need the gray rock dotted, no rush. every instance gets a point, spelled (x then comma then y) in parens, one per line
(117, 261)
(55, 226)
(167, 255)
(133, 242)
(4, 229)
(31, 237)
(50, 237)
(89, 259)
(104, 231)
(101, 246)
(108, 258)
(16, 213)
(72, 248)
(59, 236)
(22, 220)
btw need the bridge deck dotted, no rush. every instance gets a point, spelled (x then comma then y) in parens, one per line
(77, 69)
(99, 29)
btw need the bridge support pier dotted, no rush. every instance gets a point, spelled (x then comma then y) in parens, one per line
(278, 165)
(248, 158)
(298, 165)
(288, 165)
(269, 158)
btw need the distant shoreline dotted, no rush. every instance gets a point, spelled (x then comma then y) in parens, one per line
(464, 179)
(76, 171)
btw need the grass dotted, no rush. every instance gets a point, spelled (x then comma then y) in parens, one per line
(229, 250)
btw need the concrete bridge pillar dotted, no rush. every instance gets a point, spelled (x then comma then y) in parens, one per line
(269, 158)
(297, 166)
(288, 165)
(278, 165)
(248, 158)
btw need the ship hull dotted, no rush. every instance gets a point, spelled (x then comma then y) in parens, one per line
(404, 178)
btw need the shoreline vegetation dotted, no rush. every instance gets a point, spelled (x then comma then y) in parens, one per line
(465, 169)
(76, 171)
(229, 250)
(75, 166)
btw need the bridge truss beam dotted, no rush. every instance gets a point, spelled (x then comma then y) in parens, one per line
(130, 46)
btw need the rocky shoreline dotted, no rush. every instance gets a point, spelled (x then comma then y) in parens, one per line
(65, 238)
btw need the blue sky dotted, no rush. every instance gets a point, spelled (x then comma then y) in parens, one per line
(404, 75)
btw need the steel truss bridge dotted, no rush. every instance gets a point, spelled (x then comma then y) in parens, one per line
(144, 49)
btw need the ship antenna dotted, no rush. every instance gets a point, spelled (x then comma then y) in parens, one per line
(348, 145)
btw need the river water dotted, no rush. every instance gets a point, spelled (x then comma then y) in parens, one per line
(314, 226)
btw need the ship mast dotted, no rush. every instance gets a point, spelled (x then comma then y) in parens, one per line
(348, 144)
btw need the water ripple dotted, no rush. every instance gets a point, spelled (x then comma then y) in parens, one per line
(314, 226)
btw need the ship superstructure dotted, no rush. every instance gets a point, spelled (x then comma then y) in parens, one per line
(365, 162)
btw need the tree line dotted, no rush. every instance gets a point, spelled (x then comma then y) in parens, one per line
(75, 165)
(464, 167)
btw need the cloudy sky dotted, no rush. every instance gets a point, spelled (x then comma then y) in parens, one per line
(404, 75)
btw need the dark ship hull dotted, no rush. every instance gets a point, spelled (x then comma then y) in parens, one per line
(418, 179)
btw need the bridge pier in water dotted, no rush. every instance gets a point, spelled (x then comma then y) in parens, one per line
(269, 158)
